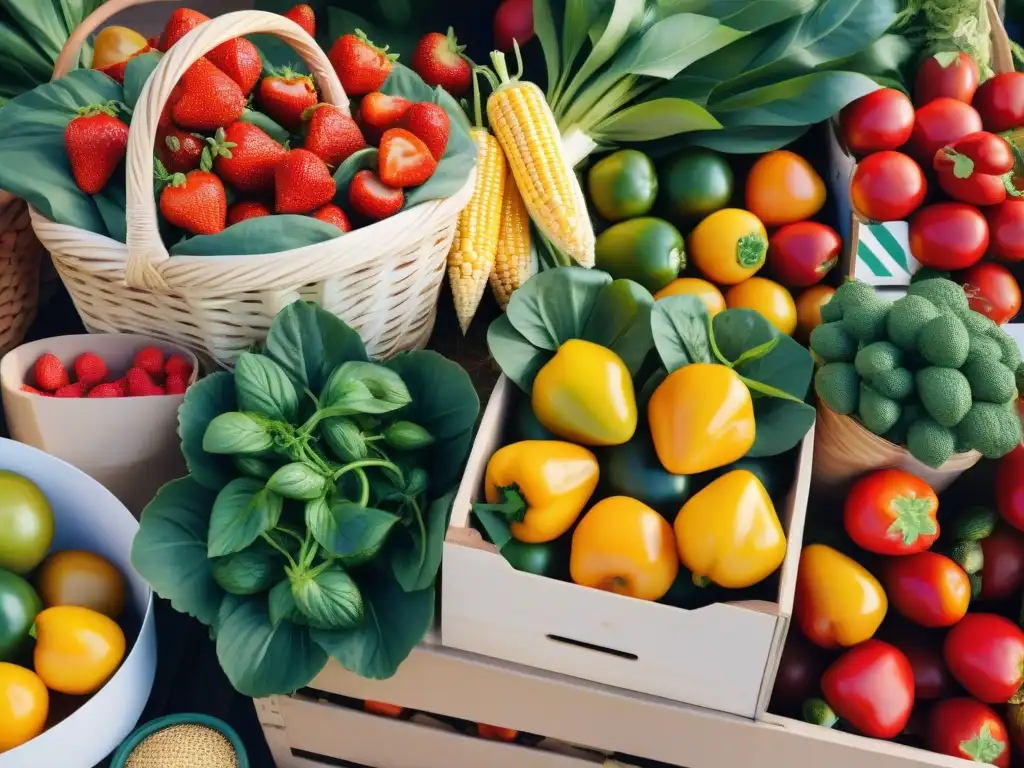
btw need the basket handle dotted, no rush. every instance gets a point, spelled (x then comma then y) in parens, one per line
(146, 250)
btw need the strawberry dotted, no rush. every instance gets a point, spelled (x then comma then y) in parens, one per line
(285, 95)
(302, 183)
(166, 123)
(303, 16)
(110, 389)
(33, 391)
(179, 151)
(240, 60)
(49, 373)
(372, 198)
(331, 134)
(439, 60)
(175, 385)
(245, 157)
(154, 43)
(90, 369)
(429, 123)
(151, 360)
(96, 142)
(78, 389)
(378, 112)
(196, 202)
(362, 67)
(332, 214)
(141, 384)
(209, 98)
(404, 160)
(177, 365)
(248, 209)
(181, 22)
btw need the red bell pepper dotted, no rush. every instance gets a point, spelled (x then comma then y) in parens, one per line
(985, 653)
(976, 169)
(967, 729)
(871, 687)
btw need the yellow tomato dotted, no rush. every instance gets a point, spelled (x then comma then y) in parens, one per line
(783, 188)
(768, 298)
(24, 705)
(694, 286)
(115, 45)
(77, 650)
(76, 577)
(808, 308)
(728, 246)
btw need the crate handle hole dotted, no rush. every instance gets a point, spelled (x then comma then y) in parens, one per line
(592, 647)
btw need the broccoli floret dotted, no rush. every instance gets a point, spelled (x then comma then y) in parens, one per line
(831, 311)
(906, 319)
(852, 294)
(897, 384)
(983, 348)
(993, 430)
(876, 358)
(927, 273)
(1019, 376)
(944, 294)
(877, 412)
(945, 393)
(991, 382)
(930, 443)
(833, 344)
(978, 323)
(1009, 348)
(961, 446)
(944, 341)
(867, 322)
(837, 384)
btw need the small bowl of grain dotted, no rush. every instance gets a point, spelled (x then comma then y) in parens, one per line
(182, 741)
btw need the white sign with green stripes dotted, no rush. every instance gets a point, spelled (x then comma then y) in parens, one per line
(883, 254)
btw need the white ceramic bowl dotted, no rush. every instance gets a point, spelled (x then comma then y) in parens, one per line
(89, 517)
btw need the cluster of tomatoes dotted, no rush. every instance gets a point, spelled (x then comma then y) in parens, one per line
(908, 630)
(946, 162)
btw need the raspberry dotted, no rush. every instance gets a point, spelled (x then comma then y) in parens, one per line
(177, 365)
(151, 360)
(109, 389)
(140, 384)
(50, 374)
(90, 369)
(175, 384)
(78, 389)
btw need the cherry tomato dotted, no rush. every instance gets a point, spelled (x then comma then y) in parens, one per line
(113, 47)
(938, 123)
(881, 120)
(992, 291)
(985, 653)
(1002, 574)
(891, 512)
(382, 708)
(947, 236)
(1006, 230)
(887, 186)
(1010, 487)
(495, 733)
(928, 588)
(800, 670)
(975, 188)
(1000, 102)
(783, 187)
(808, 308)
(871, 687)
(980, 152)
(931, 678)
(513, 21)
(967, 729)
(766, 297)
(949, 75)
(801, 254)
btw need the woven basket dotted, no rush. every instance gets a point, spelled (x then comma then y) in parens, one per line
(20, 256)
(383, 280)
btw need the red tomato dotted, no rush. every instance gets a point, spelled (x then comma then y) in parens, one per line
(513, 21)
(1002, 574)
(938, 123)
(887, 186)
(1000, 102)
(801, 254)
(928, 588)
(871, 687)
(1010, 487)
(891, 512)
(881, 120)
(1006, 230)
(949, 75)
(985, 653)
(992, 291)
(967, 729)
(948, 236)
(931, 678)
(800, 670)
(980, 152)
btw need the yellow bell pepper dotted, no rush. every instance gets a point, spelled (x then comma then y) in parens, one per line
(77, 649)
(540, 487)
(701, 417)
(728, 533)
(24, 706)
(585, 394)
(621, 545)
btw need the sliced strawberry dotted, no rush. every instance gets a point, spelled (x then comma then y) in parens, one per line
(378, 112)
(429, 123)
(90, 369)
(405, 161)
(372, 198)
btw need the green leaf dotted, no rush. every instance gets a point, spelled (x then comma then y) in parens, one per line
(359, 387)
(261, 659)
(264, 234)
(621, 321)
(544, 27)
(749, 140)
(266, 124)
(248, 572)
(329, 599)
(361, 160)
(309, 343)
(277, 53)
(745, 15)
(253, 466)
(672, 44)
(554, 306)
(517, 358)
(656, 119)
(781, 425)
(626, 17)
(207, 398)
(137, 73)
(236, 432)
(680, 328)
(169, 550)
(263, 387)
(984, 747)
(241, 512)
(495, 526)
(281, 605)
(298, 481)
(578, 18)
(788, 367)
(41, 23)
(395, 623)
(407, 436)
(413, 571)
(801, 101)
(351, 532)
(344, 438)
(22, 63)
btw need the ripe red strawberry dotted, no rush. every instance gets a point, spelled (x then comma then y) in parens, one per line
(438, 59)
(196, 202)
(285, 95)
(181, 22)
(177, 365)
(33, 391)
(78, 389)
(209, 98)
(240, 60)
(90, 369)
(141, 384)
(166, 123)
(110, 389)
(404, 160)
(175, 385)
(378, 112)
(372, 198)
(332, 214)
(96, 142)
(154, 43)
(151, 360)
(429, 123)
(302, 183)
(331, 134)
(248, 209)
(362, 67)
(179, 151)
(49, 373)
(303, 16)
(245, 157)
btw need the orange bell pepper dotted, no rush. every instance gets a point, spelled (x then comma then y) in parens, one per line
(77, 649)
(24, 706)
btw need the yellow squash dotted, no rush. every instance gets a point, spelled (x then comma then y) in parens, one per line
(540, 487)
(77, 649)
(729, 533)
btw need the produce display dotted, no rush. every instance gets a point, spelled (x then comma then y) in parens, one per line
(90, 376)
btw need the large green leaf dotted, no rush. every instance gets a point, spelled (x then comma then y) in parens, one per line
(264, 234)
(801, 101)
(22, 63)
(621, 321)
(680, 330)
(781, 425)
(41, 21)
(672, 44)
(747, 140)
(554, 306)
(347, 530)
(744, 15)
(655, 120)
(205, 400)
(788, 366)
(517, 358)
(137, 73)
(309, 343)
(242, 511)
(403, 548)
(547, 33)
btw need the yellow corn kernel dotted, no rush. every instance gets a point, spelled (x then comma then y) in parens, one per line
(512, 263)
(524, 126)
(475, 244)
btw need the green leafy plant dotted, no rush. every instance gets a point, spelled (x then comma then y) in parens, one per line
(312, 520)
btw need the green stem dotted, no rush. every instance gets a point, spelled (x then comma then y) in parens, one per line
(365, 463)
(270, 540)
(477, 109)
(756, 353)
(309, 549)
(714, 345)
(423, 529)
(289, 532)
(309, 393)
(768, 390)
(513, 506)
(314, 458)
(372, 438)
(321, 568)
(364, 483)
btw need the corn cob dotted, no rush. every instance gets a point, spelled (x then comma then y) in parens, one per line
(513, 264)
(475, 244)
(524, 126)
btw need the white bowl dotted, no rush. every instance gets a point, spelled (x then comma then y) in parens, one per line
(88, 516)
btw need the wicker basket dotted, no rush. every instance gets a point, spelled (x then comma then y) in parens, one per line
(383, 280)
(20, 256)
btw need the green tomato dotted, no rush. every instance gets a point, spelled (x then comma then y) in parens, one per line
(19, 606)
(26, 523)
(695, 183)
(550, 558)
(623, 185)
(633, 469)
(648, 251)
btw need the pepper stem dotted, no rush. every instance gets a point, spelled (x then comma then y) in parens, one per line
(513, 505)
(750, 250)
(701, 581)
